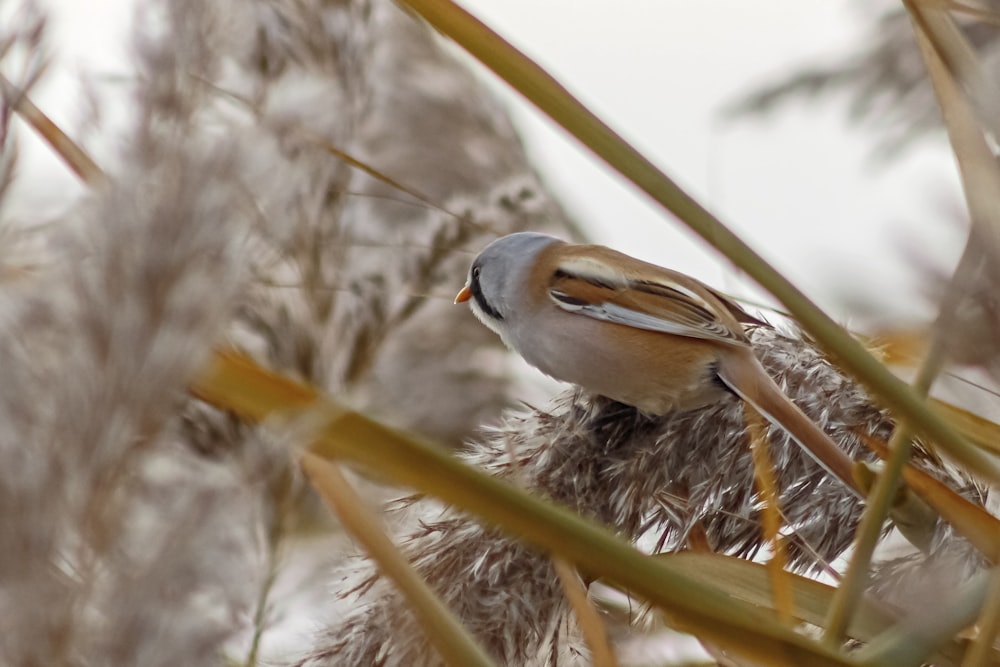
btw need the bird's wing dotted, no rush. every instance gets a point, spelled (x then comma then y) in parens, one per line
(636, 294)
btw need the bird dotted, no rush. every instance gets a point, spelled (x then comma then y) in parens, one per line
(631, 331)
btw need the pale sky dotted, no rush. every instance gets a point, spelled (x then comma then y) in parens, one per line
(801, 186)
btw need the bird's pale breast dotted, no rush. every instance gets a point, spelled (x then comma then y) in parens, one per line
(655, 372)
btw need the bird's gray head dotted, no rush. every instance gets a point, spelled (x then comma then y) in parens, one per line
(499, 274)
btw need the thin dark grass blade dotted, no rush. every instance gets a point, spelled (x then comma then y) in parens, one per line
(71, 153)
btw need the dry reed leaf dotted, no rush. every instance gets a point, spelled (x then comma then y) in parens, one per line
(982, 431)
(970, 520)
(72, 154)
(899, 347)
(444, 631)
(593, 629)
(768, 489)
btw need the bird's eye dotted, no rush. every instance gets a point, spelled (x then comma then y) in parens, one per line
(475, 273)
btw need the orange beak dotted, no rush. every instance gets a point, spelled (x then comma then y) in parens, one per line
(464, 295)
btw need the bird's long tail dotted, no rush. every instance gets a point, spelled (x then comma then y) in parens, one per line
(747, 378)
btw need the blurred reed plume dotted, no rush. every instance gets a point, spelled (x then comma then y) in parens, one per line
(306, 181)
(884, 76)
(120, 544)
(136, 521)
